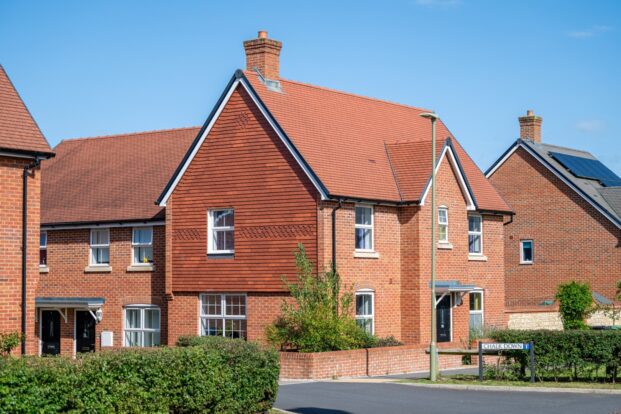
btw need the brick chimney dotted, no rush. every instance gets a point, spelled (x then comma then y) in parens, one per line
(263, 54)
(530, 126)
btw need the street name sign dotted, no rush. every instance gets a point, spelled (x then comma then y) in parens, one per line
(505, 346)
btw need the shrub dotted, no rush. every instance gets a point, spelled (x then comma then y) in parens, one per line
(230, 376)
(575, 304)
(567, 354)
(8, 342)
(377, 342)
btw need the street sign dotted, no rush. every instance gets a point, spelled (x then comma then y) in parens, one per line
(505, 346)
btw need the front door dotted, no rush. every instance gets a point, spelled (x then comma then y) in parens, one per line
(84, 332)
(50, 332)
(443, 319)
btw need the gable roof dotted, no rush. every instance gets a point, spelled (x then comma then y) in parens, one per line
(344, 142)
(112, 178)
(18, 130)
(607, 200)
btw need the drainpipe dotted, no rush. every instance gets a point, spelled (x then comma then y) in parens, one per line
(27, 169)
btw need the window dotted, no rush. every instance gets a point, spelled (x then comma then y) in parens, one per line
(475, 235)
(43, 249)
(476, 312)
(364, 228)
(526, 251)
(142, 245)
(364, 311)
(100, 247)
(223, 315)
(221, 231)
(142, 325)
(443, 225)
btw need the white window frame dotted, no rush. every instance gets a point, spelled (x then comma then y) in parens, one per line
(532, 249)
(371, 293)
(223, 316)
(98, 246)
(141, 245)
(446, 224)
(142, 329)
(365, 226)
(211, 228)
(43, 247)
(478, 312)
(480, 233)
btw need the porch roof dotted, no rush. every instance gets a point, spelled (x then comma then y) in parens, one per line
(69, 302)
(453, 286)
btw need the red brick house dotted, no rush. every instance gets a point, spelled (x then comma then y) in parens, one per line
(276, 163)
(567, 224)
(22, 148)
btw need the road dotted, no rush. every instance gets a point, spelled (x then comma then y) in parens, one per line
(387, 398)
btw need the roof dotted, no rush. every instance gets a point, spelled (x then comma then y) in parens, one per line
(353, 147)
(607, 200)
(18, 130)
(111, 178)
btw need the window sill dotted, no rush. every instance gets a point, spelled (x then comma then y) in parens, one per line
(141, 268)
(477, 258)
(445, 246)
(98, 269)
(526, 263)
(220, 255)
(44, 269)
(366, 255)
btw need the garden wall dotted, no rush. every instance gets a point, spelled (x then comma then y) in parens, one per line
(360, 362)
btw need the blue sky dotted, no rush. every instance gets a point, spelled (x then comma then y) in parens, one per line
(105, 67)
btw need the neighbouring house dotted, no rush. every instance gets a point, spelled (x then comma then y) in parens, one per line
(22, 148)
(276, 163)
(567, 225)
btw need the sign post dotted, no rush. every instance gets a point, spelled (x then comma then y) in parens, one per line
(481, 361)
(497, 347)
(532, 362)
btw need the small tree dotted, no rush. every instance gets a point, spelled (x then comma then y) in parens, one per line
(575, 304)
(320, 319)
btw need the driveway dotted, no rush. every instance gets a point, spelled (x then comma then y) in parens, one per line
(332, 397)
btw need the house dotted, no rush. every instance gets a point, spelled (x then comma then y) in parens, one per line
(277, 163)
(567, 225)
(22, 148)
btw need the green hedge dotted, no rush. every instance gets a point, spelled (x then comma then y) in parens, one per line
(573, 354)
(228, 376)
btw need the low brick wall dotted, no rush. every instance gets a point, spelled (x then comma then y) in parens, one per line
(360, 362)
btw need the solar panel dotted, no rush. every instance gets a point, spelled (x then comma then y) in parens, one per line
(588, 168)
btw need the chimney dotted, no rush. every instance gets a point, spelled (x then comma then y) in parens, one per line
(263, 54)
(530, 126)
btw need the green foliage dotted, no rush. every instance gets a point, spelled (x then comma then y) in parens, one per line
(575, 304)
(8, 342)
(320, 319)
(227, 376)
(567, 354)
(376, 342)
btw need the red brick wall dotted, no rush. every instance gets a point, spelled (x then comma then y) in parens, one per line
(572, 240)
(68, 256)
(11, 172)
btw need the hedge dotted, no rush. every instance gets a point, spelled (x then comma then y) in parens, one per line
(571, 354)
(228, 376)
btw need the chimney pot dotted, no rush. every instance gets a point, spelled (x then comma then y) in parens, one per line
(263, 54)
(529, 112)
(262, 34)
(530, 126)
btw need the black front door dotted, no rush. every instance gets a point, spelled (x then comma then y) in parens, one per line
(50, 332)
(443, 319)
(84, 332)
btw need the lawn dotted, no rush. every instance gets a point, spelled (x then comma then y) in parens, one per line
(474, 380)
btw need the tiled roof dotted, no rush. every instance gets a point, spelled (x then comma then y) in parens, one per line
(346, 139)
(111, 178)
(18, 130)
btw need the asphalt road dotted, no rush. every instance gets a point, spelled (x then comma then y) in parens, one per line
(389, 398)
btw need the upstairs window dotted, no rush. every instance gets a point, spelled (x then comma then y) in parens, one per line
(142, 325)
(142, 245)
(364, 311)
(475, 234)
(443, 225)
(221, 231)
(100, 247)
(43, 249)
(223, 315)
(364, 228)
(526, 251)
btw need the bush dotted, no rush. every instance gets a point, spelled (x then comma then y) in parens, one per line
(575, 304)
(229, 376)
(568, 354)
(8, 342)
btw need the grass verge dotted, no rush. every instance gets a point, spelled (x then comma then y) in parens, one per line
(474, 380)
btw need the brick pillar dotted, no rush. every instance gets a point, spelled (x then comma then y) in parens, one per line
(530, 126)
(263, 54)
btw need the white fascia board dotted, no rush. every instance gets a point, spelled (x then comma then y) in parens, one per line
(269, 119)
(460, 178)
(103, 225)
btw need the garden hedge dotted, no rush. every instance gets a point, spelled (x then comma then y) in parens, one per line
(568, 354)
(223, 376)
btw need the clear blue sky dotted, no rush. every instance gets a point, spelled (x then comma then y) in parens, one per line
(90, 68)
